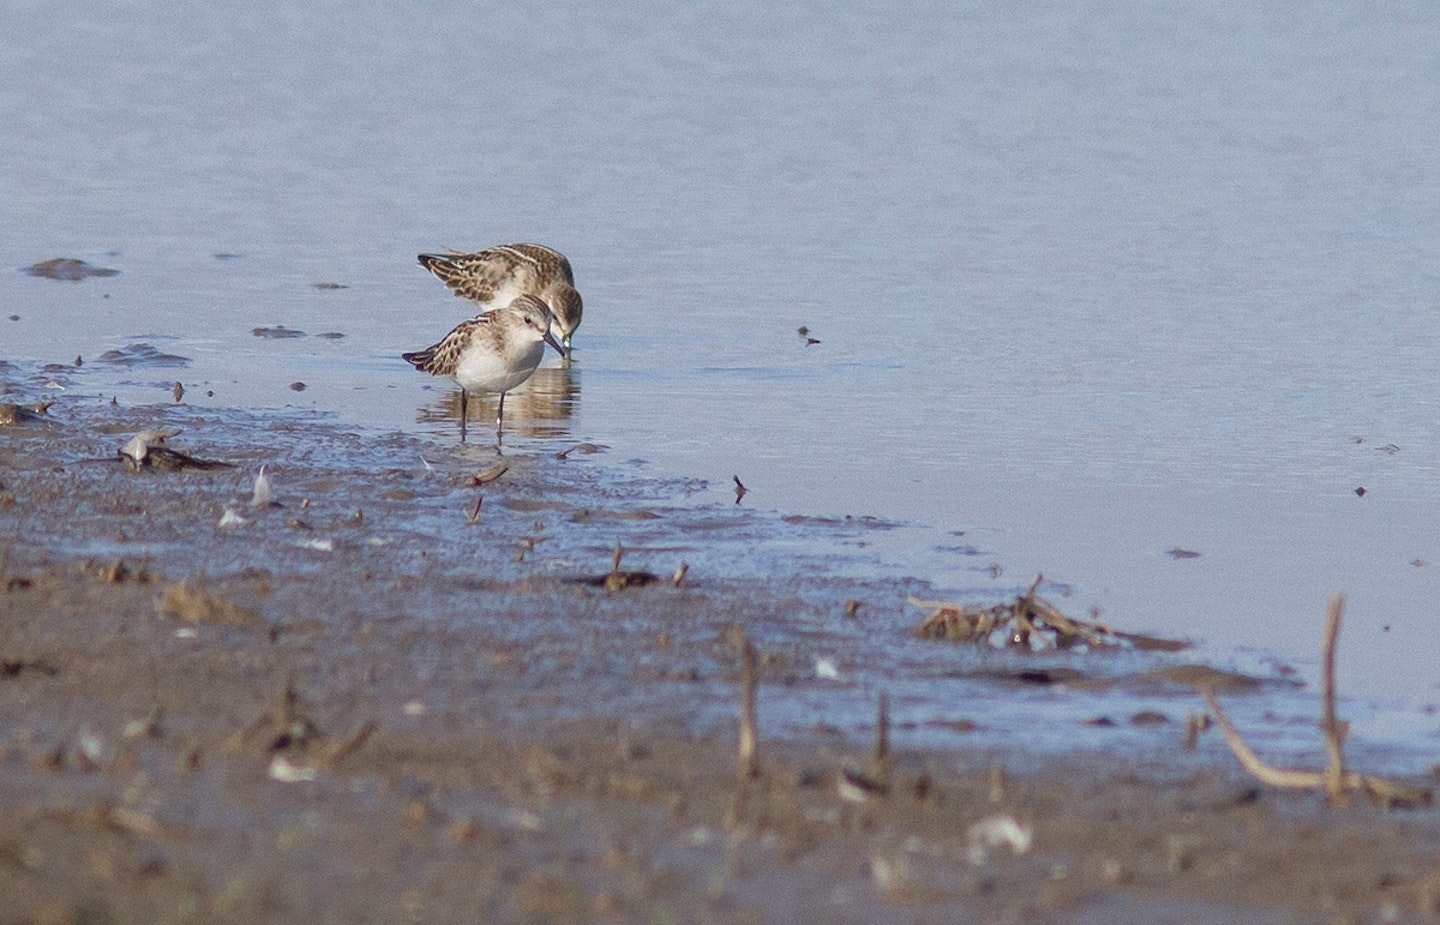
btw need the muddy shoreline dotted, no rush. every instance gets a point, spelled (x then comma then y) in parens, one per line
(356, 706)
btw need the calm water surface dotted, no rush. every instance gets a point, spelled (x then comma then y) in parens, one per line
(1090, 284)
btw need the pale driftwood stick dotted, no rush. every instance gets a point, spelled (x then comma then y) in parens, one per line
(1278, 777)
(1335, 782)
(1377, 789)
(1334, 731)
(748, 750)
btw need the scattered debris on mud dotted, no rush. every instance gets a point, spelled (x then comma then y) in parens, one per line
(415, 726)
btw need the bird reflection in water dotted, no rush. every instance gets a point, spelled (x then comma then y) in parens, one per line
(539, 408)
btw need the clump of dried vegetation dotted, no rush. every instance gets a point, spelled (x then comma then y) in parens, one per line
(1028, 622)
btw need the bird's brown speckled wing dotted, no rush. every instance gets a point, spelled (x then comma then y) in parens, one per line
(549, 263)
(442, 358)
(478, 276)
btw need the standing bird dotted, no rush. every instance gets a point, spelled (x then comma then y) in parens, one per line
(495, 276)
(493, 352)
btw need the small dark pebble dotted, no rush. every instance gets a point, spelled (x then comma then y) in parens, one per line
(1044, 677)
(1178, 553)
(1104, 722)
(331, 286)
(297, 386)
(1360, 491)
(1149, 718)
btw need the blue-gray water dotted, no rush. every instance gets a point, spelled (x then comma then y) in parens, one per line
(1090, 283)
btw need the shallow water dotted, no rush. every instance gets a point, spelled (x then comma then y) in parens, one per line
(1089, 286)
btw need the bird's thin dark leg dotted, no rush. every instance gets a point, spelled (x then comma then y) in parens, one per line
(464, 413)
(500, 419)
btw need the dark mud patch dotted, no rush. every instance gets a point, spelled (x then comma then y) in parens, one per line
(278, 332)
(67, 269)
(143, 356)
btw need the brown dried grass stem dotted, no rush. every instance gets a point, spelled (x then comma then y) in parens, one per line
(880, 749)
(1333, 730)
(749, 757)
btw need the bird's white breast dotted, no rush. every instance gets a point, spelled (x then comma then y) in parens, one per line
(484, 369)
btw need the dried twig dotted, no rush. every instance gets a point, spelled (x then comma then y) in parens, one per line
(880, 750)
(749, 758)
(488, 476)
(340, 749)
(1276, 777)
(1334, 781)
(1333, 730)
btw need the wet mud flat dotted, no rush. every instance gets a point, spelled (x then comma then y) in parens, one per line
(409, 687)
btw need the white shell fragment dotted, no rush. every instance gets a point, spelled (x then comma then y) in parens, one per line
(287, 772)
(997, 832)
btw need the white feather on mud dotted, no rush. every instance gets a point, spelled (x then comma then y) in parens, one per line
(263, 491)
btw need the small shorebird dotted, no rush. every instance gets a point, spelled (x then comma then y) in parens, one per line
(495, 276)
(493, 352)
